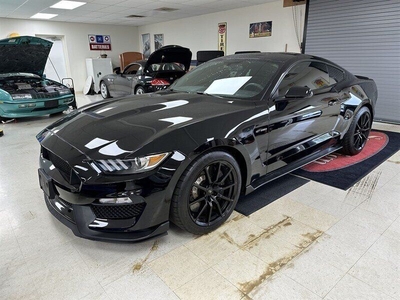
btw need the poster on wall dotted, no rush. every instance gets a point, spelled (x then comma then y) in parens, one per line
(146, 45)
(99, 42)
(158, 41)
(260, 29)
(222, 36)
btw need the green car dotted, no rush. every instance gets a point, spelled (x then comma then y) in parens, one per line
(24, 91)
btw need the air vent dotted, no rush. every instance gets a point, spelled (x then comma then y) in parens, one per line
(135, 16)
(166, 9)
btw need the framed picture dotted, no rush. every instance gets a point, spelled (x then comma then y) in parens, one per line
(146, 45)
(158, 41)
(260, 29)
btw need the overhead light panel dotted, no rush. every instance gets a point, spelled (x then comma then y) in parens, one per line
(166, 9)
(68, 4)
(135, 16)
(43, 16)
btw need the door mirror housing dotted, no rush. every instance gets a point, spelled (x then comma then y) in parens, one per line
(299, 92)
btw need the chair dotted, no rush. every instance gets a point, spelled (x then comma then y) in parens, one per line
(206, 55)
(129, 57)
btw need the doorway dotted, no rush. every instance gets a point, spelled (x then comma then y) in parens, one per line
(56, 65)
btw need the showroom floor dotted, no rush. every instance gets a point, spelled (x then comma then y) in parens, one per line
(316, 242)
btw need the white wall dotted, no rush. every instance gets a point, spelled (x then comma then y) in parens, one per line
(123, 38)
(201, 32)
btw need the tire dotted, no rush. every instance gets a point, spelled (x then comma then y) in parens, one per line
(206, 194)
(140, 90)
(104, 90)
(357, 135)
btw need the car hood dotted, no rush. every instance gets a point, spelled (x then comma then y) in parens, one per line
(171, 54)
(118, 128)
(24, 54)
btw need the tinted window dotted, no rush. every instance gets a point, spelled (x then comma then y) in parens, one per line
(234, 78)
(335, 74)
(310, 74)
(132, 69)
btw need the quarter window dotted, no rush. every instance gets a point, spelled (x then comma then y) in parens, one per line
(335, 75)
(310, 74)
(132, 69)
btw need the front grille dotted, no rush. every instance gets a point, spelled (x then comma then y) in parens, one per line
(117, 211)
(45, 95)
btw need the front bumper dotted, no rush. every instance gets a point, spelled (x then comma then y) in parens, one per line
(79, 218)
(33, 107)
(100, 222)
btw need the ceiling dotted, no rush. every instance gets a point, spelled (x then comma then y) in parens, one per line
(115, 12)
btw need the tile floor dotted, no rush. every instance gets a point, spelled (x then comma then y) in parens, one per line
(317, 242)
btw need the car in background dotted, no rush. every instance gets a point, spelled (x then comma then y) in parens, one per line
(161, 69)
(24, 90)
(122, 169)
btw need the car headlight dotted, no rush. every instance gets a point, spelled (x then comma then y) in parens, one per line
(64, 91)
(21, 96)
(129, 166)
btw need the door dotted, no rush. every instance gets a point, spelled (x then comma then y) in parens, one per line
(56, 67)
(295, 124)
(124, 83)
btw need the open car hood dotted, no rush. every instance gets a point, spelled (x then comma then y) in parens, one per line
(171, 54)
(24, 54)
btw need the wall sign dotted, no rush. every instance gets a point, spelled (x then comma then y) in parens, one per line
(158, 41)
(260, 29)
(99, 42)
(146, 45)
(222, 36)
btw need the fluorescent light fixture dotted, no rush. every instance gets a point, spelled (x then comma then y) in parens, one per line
(43, 16)
(68, 4)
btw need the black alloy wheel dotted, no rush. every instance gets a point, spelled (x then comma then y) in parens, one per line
(207, 193)
(357, 135)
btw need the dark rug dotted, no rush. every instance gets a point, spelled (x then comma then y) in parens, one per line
(343, 171)
(268, 193)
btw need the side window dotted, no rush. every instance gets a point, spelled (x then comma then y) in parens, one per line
(335, 75)
(311, 74)
(131, 69)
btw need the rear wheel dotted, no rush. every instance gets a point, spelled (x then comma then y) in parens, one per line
(104, 90)
(206, 193)
(140, 90)
(357, 135)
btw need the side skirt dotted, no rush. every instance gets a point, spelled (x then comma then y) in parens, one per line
(289, 168)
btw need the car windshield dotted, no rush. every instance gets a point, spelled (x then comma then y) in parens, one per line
(234, 78)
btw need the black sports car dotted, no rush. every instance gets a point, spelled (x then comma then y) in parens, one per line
(162, 68)
(123, 169)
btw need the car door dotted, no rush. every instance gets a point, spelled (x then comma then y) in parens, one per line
(298, 123)
(123, 83)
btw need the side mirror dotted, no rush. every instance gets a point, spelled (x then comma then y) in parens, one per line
(299, 92)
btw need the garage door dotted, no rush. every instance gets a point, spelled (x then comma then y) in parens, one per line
(363, 37)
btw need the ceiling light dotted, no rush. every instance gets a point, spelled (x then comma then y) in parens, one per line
(68, 4)
(135, 16)
(43, 16)
(166, 9)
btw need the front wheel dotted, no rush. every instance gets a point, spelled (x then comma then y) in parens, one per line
(206, 193)
(104, 90)
(357, 135)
